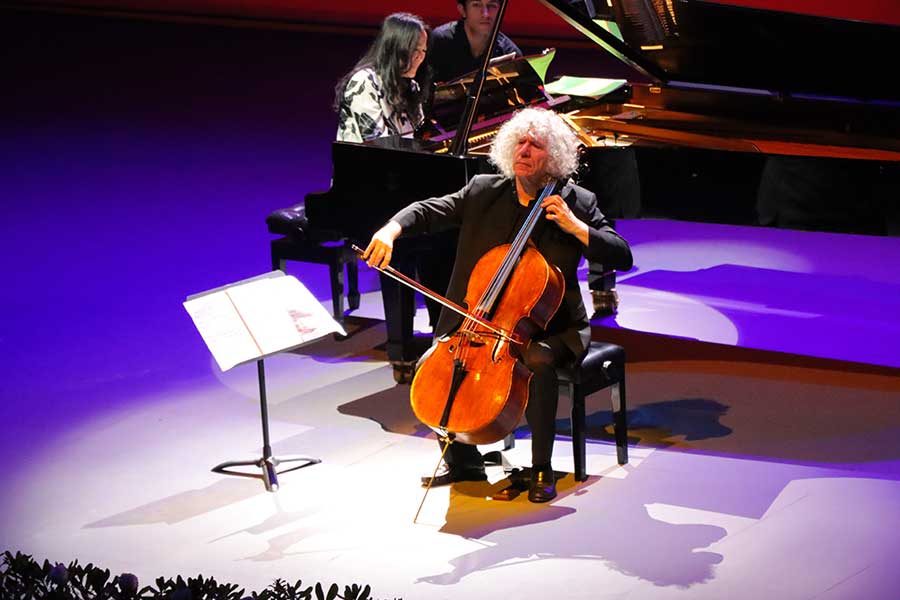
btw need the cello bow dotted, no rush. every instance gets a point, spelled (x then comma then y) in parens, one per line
(408, 281)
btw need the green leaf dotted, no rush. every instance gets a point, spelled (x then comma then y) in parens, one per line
(332, 592)
(96, 579)
(23, 578)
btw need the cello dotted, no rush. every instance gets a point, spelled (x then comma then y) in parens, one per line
(471, 386)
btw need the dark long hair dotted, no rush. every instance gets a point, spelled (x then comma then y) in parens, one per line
(389, 55)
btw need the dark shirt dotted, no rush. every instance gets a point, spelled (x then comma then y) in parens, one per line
(450, 55)
(488, 214)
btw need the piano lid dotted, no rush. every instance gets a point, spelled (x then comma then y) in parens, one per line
(709, 45)
(510, 84)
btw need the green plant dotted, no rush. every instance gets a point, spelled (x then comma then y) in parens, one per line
(23, 578)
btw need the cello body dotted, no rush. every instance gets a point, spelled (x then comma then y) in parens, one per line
(472, 384)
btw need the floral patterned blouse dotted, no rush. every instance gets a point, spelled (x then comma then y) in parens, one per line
(365, 114)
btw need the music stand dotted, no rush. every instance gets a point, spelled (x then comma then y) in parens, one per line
(248, 321)
(268, 463)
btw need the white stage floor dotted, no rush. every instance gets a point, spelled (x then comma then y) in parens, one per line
(745, 481)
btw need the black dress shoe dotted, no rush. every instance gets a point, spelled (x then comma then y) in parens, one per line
(447, 474)
(543, 485)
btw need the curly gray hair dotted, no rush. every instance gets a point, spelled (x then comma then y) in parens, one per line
(548, 128)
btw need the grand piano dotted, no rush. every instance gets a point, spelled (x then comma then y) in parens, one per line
(708, 76)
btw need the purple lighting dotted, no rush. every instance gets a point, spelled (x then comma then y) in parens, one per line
(825, 295)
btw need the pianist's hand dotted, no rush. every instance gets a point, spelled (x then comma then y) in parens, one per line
(381, 247)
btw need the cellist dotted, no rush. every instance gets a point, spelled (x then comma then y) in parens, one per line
(532, 148)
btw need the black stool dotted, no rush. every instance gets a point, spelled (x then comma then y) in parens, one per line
(602, 366)
(303, 243)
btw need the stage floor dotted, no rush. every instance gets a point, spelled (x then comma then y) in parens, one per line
(823, 295)
(143, 159)
(746, 480)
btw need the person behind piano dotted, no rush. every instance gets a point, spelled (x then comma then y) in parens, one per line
(383, 94)
(458, 47)
(530, 149)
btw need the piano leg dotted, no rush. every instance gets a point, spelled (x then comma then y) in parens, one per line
(353, 283)
(430, 260)
(434, 266)
(602, 284)
(336, 277)
(399, 309)
(612, 174)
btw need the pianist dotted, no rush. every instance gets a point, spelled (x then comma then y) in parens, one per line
(458, 47)
(532, 147)
(382, 95)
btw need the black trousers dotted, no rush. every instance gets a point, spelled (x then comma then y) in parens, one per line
(542, 358)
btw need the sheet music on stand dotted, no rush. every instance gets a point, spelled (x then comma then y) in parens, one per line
(249, 321)
(258, 317)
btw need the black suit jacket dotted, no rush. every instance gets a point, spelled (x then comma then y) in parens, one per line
(485, 211)
(450, 55)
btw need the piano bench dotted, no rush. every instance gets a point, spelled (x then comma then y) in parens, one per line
(304, 244)
(334, 254)
(603, 366)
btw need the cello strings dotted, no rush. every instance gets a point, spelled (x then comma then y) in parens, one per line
(518, 246)
(489, 297)
(493, 290)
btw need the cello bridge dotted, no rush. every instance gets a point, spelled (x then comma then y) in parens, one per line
(475, 338)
